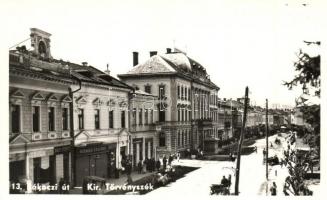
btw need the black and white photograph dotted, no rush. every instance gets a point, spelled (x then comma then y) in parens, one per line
(162, 98)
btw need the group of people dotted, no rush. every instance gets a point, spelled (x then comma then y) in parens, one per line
(148, 165)
(226, 182)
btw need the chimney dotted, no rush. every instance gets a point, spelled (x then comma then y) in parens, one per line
(135, 58)
(84, 64)
(168, 50)
(153, 53)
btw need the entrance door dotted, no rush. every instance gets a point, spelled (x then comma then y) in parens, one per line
(66, 166)
(16, 170)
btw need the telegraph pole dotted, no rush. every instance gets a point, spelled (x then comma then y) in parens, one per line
(238, 163)
(267, 133)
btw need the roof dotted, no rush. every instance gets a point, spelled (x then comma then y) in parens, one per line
(172, 63)
(52, 72)
(22, 62)
(93, 75)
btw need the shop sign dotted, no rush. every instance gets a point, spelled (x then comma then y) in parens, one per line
(17, 157)
(62, 149)
(36, 154)
(92, 149)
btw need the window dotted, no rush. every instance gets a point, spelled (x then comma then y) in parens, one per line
(162, 139)
(189, 94)
(36, 118)
(15, 118)
(178, 139)
(178, 115)
(134, 116)
(189, 115)
(178, 92)
(183, 138)
(140, 116)
(161, 91)
(51, 114)
(111, 119)
(65, 119)
(123, 119)
(146, 116)
(182, 93)
(81, 118)
(147, 88)
(182, 115)
(151, 117)
(162, 115)
(97, 119)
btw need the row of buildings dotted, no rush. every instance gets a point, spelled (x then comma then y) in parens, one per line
(71, 120)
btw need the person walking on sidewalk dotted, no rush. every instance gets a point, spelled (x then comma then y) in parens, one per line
(164, 160)
(158, 165)
(144, 166)
(170, 159)
(273, 189)
(139, 167)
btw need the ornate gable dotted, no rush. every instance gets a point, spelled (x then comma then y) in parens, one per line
(66, 99)
(17, 94)
(53, 97)
(97, 102)
(19, 139)
(38, 96)
(81, 100)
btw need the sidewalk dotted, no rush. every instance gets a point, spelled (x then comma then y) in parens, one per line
(119, 181)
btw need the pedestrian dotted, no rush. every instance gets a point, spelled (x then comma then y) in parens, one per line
(229, 180)
(275, 172)
(255, 149)
(61, 183)
(224, 181)
(164, 160)
(178, 156)
(170, 159)
(144, 167)
(158, 165)
(139, 167)
(153, 164)
(273, 189)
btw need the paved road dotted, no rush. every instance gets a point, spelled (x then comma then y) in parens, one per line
(252, 175)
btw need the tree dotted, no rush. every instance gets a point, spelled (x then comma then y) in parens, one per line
(308, 76)
(308, 68)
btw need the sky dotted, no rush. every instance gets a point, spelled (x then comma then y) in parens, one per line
(240, 43)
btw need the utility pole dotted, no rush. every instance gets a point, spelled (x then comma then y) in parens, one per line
(238, 163)
(267, 134)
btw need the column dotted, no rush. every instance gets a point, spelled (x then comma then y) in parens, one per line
(59, 166)
(137, 153)
(149, 150)
(29, 174)
(143, 148)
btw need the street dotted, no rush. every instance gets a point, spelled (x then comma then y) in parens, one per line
(252, 174)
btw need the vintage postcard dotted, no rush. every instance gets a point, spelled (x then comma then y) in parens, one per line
(155, 98)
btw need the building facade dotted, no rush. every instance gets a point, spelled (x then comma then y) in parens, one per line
(183, 109)
(39, 133)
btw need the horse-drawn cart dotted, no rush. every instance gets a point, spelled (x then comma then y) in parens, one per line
(219, 189)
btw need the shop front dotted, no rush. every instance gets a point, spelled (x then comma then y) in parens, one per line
(95, 159)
